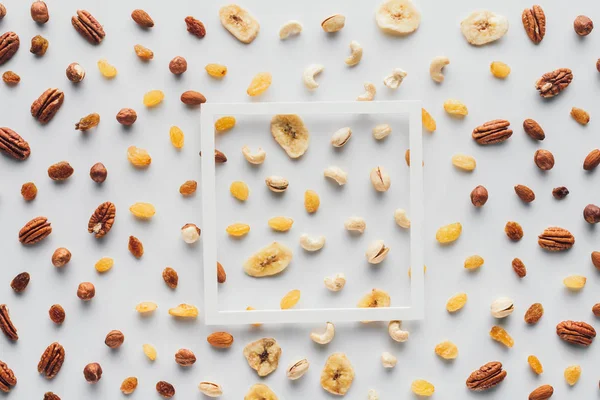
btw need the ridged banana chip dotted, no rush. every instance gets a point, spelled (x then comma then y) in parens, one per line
(268, 261)
(291, 134)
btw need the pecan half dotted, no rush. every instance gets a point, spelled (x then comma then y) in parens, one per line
(88, 26)
(556, 239)
(492, 132)
(576, 332)
(534, 22)
(533, 129)
(12, 144)
(102, 219)
(552, 83)
(7, 378)
(51, 396)
(519, 268)
(46, 106)
(35, 231)
(9, 44)
(52, 360)
(486, 377)
(6, 324)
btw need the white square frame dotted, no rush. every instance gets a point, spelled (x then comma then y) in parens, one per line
(214, 316)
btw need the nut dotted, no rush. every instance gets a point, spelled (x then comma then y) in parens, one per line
(486, 377)
(401, 218)
(51, 396)
(341, 137)
(355, 224)
(580, 115)
(29, 191)
(178, 65)
(126, 116)
(519, 267)
(277, 184)
(142, 18)
(336, 282)
(102, 219)
(534, 22)
(596, 309)
(9, 44)
(13, 145)
(436, 66)
(35, 231)
(75, 72)
(290, 28)
(195, 27)
(396, 333)
(114, 339)
(479, 196)
(57, 314)
(556, 239)
(170, 277)
(92, 372)
(543, 392)
(394, 80)
(492, 132)
(192, 98)
(325, 337)
(297, 369)
(312, 243)
(525, 193)
(592, 160)
(337, 174)
(6, 325)
(60, 171)
(596, 259)
(39, 12)
(61, 257)
(591, 214)
(533, 129)
(502, 307)
(51, 360)
(2, 11)
(210, 389)
(388, 360)
(220, 340)
(534, 313)
(574, 332)
(369, 93)
(39, 45)
(381, 131)
(334, 23)
(86, 291)
(20, 282)
(377, 252)
(560, 192)
(88, 27)
(583, 25)
(45, 107)
(372, 395)
(11, 78)
(256, 158)
(554, 82)
(380, 179)
(308, 76)
(356, 53)
(190, 233)
(185, 357)
(98, 173)
(543, 159)
(221, 275)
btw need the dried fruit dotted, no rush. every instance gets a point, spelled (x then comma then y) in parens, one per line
(239, 22)
(333, 23)
(143, 19)
(238, 229)
(499, 69)
(39, 45)
(263, 355)
(500, 335)
(60, 171)
(291, 134)
(20, 282)
(574, 282)
(153, 98)
(184, 311)
(455, 108)
(446, 350)
(556, 239)
(374, 299)
(269, 260)
(281, 224)
(188, 188)
(51, 360)
(146, 307)
(422, 388)
(534, 313)
(28, 191)
(88, 122)
(290, 28)
(39, 12)
(576, 332)
(104, 264)
(107, 70)
(552, 83)
(592, 160)
(482, 27)
(57, 314)
(519, 268)
(220, 340)
(380, 179)
(535, 364)
(135, 246)
(192, 98)
(88, 27)
(376, 252)
(513, 230)
(486, 377)
(395, 79)
(114, 339)
(583, 25)
(224, 123)
(210, 389)
(129, 385)
(75, 72)
(149, 351)
(456, 302)
(216, 70)
(170, 277)
(290, 299)
(177, 137)
(572, 374)
(6, 325)
(61, 257)
(534, 22)
(260, 392)
(195, 27)
(448, 233)
(239, 190)
(190, 233)
(311, 201)
(11, 78)
(277, 184)
(143, 53)
(308, 76)
(185, 357)
(427, 121)
(464, 162)
(142, 210)
(35, 231)
(337, 374)
(560, 192)
(178, 65)
(138, 157)
(259, 84)
(86, 291)
(580, 115)
(502, 307)
(473, 262)
(9, 44)
(102, 219)
(397, 17)
(165, 389)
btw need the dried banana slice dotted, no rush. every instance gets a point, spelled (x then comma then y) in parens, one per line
(269, 260)
(482, 27)
(263, 355)
(260, 392)
(398, 17)
(376, 298)
(239, 22)
(291, 134)
(337, 374)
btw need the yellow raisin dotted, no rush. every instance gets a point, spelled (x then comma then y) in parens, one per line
(239, 190)
(107, 70)
(572, 374)
(447, 350)
(216, 70)
(88, 122)
(290, 299)
(224, 123)
(188, 188)
(143, 210)
(184, 311)
(428, 121)
(580, 115)
(456, 302)
(259, 84)
(311, 201)
(410, 271)
(104, 264)
(535, 364)
(423, 388)
(238, 229)
(281, 224)
(448, 233)
(575, 282)
(500, 335)
(249, 308)
(149, 351)
(138, 157)
(153, 98)
(146, 307)
(499, 69)
(473, 262)
(177, 137)
(456, 108)
(143, 53)
(464, 162)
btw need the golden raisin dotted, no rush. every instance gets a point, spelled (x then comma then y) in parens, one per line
(184, 311)
(427, 120)
(188, 188)
(216, 70)
(224, 123)
(535, 364)
(29, 191)
(456, 302)
(177, 137)
(311, 201)
(104, 264)
(423, 388)
(135, 246)
(143, 53)
(149, 351)
(575, 282)
(455, 108)
(473, 262)
(580, 115)
(143, 210)
(259, 84)
(290, 299)
(499, 69)
(170, 277)
(11, 78)
(238, 229)
(129, 385)
(572, 374)
(447, 350)
(448, 233)
(513, 230)
(500, 335)
(281, 224)
(138, 157)
(153, 98)
(88, 122)
(107, 70)
(464, 162)
(239, 190)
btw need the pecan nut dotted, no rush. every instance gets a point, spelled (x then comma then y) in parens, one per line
(534, 22)
(9, 44)
(35, 231)
(486, 377)
(12, 144)
(492, 132)
(102, 219)
(52, 360)
(88, 26)
(576, 332)
(51, 396)
(6, 325)
(556, 239)
(47, 105)
(552, 83)
(533, 129)
(7, 378)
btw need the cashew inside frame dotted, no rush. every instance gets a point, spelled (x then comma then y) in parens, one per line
(325, 337)
(436, 66)
(396, 332)
(309, 243)
(356, 53)
(290, 28)
(369, 93)
(309, 75)
(254, 158)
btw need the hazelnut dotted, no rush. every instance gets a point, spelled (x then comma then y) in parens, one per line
(543, 159)
(114, 339)
(178, 65)
(479, 196)
(98, 173)
(75, 72)
(61, 257)
(57, 314)
(560, 192)
(190, 233)
(2, 11)
(126, 116)
(583, 25)
(39, 12)
(591, 214)
(28, 191)
(92, 372)
(596, 259)
(86, 291)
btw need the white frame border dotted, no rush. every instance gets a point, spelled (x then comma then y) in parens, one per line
(213, 316)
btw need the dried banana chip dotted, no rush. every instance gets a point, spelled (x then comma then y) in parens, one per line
(239, 22)
(269, 260)
(337, 374)
(291, 134)
(263, 355)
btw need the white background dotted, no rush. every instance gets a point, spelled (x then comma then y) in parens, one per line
(69, 205)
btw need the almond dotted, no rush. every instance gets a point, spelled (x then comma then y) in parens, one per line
(192, 98)
(543, 392)
(592, 160)
(221, 340)
(525, 193)
(221, 275)
(142, 18)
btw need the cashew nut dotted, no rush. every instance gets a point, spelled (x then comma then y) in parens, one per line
(254, 158)
(290, 28)
(373, 395)
(337, 174)
(401, 218)
(309, 75)
(394, 80)
(381, 131)
(369, 93)
(325, 337)
(356, 52)
(388, 360)
(396, 333)
(309, 243)
(436, 66)
(355, 224)
(335, 283)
